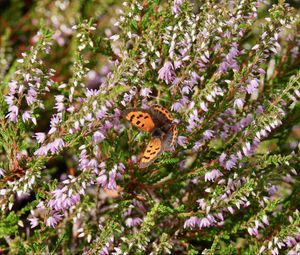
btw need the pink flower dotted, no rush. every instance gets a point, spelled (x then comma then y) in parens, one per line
(212, 175)
(98, 137)
(2, 172)
(204, 223)
(33, 222)
(167, 72)
(176, 107)
(40, 137)
(182, 140)
(53, 220)
(252, 86)
(102, 180)
(112, 180)
(145, 92)
(57, 145)
(176, 6)
(133, 222)
(191, 222)
(239, 103)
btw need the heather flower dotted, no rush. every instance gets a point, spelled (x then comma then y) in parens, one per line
(182, 140)
(204, 222)
(166, 73)
(33, 222)
(2, 172)
(212, 175)
(239, 103)
(192, 222)
(133, 222)
(233, 97)
(53, 220)
(176, 6)
(98, 137)
(56, 146)
(145, 92)
(102, 180)
(252, 86)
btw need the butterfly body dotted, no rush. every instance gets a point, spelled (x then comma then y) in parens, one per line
(159, 122)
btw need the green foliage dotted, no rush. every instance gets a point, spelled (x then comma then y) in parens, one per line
(9, 225)
(69, 178)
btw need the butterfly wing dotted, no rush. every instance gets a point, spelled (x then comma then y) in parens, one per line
(141, 118)
(163, 112)
(152, 152)
(170, 137)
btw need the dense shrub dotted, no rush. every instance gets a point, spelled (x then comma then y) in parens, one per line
(228, 71)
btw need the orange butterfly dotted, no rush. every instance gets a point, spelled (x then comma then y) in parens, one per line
(159, 121)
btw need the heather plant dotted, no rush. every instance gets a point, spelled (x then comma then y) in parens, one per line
(228, 71)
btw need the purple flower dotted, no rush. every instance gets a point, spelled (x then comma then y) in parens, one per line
(182, 140)
(252, 86)
(59, 105)
(220, 216)
(290, 241)
(43, 150)
(145, 92)
(198, 145)
(230, 164)
(208, 134)
(176, 107)
(202, 203)
(98, 137)
(56, 146)
(31, 96)
(176, 6)
(222, 158)
(2, 172)
(112, 180)
(229, 61)
(13, 113)
(33, 222)
(121, 167)
(166, 73)
(53, 219)
(252, 231)
(212, 175)
(239, 103)
(133, 222)
(54, 123)
(193, 121)
(102, 180)
(186, 90)
(40, 137)
(230, 209)
(63, 199)
(203, 106)
(204, 223)
(192, 222)
(104, 251)
(100, 114)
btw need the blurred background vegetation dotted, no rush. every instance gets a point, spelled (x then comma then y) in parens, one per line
(20, 21)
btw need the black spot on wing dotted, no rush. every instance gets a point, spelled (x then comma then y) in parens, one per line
(132, 116)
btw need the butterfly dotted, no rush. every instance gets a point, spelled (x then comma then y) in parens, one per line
(159, 122)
